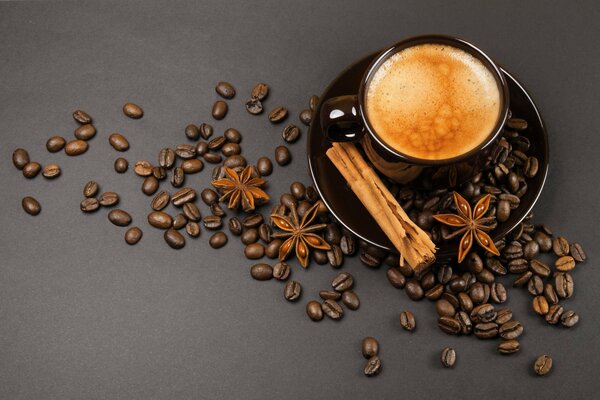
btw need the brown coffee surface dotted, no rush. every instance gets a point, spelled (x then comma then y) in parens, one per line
(433, 102)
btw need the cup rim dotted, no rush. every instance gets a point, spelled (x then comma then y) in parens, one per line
(451, 41)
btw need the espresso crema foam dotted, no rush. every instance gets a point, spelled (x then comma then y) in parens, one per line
(433, 102)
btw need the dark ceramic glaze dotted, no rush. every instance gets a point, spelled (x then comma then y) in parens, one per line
(350, 212)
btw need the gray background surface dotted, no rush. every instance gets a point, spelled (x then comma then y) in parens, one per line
(84, 316)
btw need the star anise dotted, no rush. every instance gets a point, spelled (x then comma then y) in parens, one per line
(471, 223)
(300, 234)
(241, 188)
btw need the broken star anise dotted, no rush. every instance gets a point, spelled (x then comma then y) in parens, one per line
(471, 223)
(300, 234)
(242, 188)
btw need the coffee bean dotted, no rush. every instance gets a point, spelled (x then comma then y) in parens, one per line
(183, 196)
(193, 229)
(342, 281)
(177, 177)
(544, 241)
(261, 272)
(494, 265)
(498, 292)
(369, 347)
(351, 300)
(81, 117)
(219, 110)
(539, 268)
(413, 290)
(330, 295)
(31, 169)
(51, 171)
(474, 265)
(458, 284)
(305, 117)
(407, 321)
(518, 266)
(373, 366)
(20, 158)
(272, 249)
(278, 114)
(531, 167)
(252, 220)
(212, 158)
(254, 251)
(108, 199)
(160, 201)
(282, 155)
(531, 250)
(292, 291)
(85, 132)
(523, 279)
(233, 135)
(555, 311)
(31, 206)
(503, 316)
(225, 90)
(119, 217)
(503, 211)
(313, 102)
(160, 220)
(133, 235)
(212, 222)
(335, 256)
(249, 236)
(218, 240)
(448, 357)
(510, 330)
(560, 246)
(185, 151)
(231, 149)
(149, 185)
(133, 111)
(288, 201)
(314, 310)
(216, 143)
(121, 165)
(179, 221)
(76, 147)
(118, 142)
(192, 132)
(542, 365)
(444, 308)
(166, 158)
(90, 189)
(564, 285)
(174, 239)
(254, 106)
(159, 173)
(348, 244)
(577, 252)
(535, 287)
(332, 309)
(55, 144)
(291, 133)
(486, 330)
(550, 294)
(281, 271)
(540, 305)
(465, 302)
(569, 318)
(260, 91)
(449, 325)
(483, 313)
(565, 263)
(509, 346)
(89, 204)
(142, 168)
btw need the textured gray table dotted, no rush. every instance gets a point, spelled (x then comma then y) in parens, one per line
(84, 316)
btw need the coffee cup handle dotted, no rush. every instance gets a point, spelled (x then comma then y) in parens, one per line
(341, 120)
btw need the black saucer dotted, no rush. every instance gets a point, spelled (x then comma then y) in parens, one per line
(350, 212)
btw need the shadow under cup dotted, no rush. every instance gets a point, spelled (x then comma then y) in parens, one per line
(344, 119)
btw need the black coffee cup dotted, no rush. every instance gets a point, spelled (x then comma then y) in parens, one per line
(344, 119)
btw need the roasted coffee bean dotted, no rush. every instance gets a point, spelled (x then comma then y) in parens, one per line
(260, 91)
(278, 114)
(503, 316)
(414, 290)
(449, 325)
(555, 311)
(465, 302)
(282, 155)
(216, 143)
(90, 189)
(448, 357)
(351, 300)
(149, 185)
(235, 162)
(219, 109)
(142, 168)
(235, 226)
(31, 169)
(132, 110)
(369, 347)
(569, 318)
(298, 190)
(477, 293)
(252, 220)
(560, 246)
(498, 293)
(313, 102)
(291, 133)
(205, 130)
(502, 211)
(20, 158)
(539, 268)
(564, 285)
(292, 291)
(191, 212)
(483, 313)
(212, 158)
(330, 295)
(445, 271)
(212, 222)
(118, 142)
(85, 132)
(233, 135)
(193, 229)
(108, 199)
(177, 177)
(565, 263)
(332, 309)
(174, 239)
(261, 272)
(305, 117)
(335, 256)
(159, 173)
(523, 279)
(342, 281)
(407, 321)
(133, 235)
(577, 252)
(192, 166)
(254, 251)
(395, 277)
(121, 165)
(225, 90)
(550, 294)
(254, 106)
(264, 166)
(495, 265)
(486, 330)
(509, 346)
(531, 250)
(160, 201)
(311, 194)
(81, 117)
(281, 271)
(209, 196)
(218, 240)
(231, 149)
(428, 281)
(51, 171)
(348, 244)
(540, 305)
(272, 249)
(119, 217)
(192, 132)
(457, 284)
(510, 330)
(473, 262)
(89, 204)
(535, 287)
(544, 241)
(249, 236)
(452, 299)
(542, 365)
(531, 167)
(518, 266)
(55, 144)
(264, 232)
(76, 147)
(288, 201)
(166, 158)
(185, 151)
(179, 221)
(485, 276)
(314, 310)
(31, 206)
(513, 251)
(183, 196)
(444, 308)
